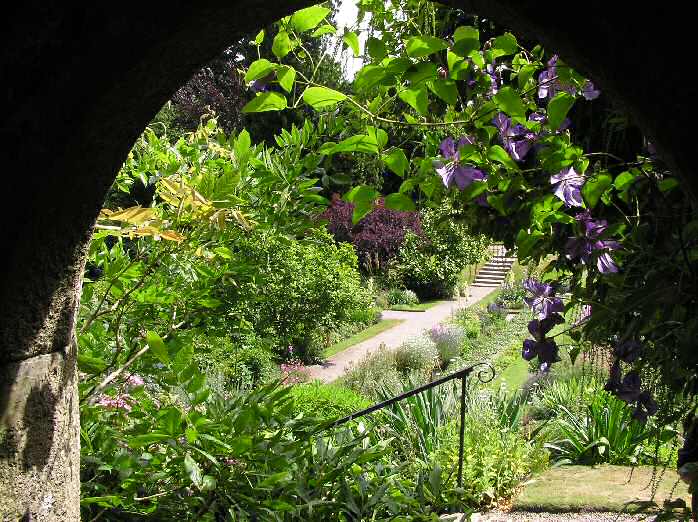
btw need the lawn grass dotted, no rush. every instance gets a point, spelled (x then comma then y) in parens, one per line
(598, 488)
(367, 333)
(489, 298)
(421, 307)
(514, 375)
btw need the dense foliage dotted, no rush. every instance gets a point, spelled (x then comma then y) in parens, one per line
(495, 122)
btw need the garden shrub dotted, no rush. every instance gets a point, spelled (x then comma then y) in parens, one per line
(329, 401)
(377, 237)
(511, 295)
(399, 296)
(448, 339)
(372, 373)
(430, 264)
(469, 321)
(244, 363)
(497, 457)
(418, 354)
(305, 289)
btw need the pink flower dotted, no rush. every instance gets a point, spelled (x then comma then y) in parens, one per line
(119, 402)
(134, 381)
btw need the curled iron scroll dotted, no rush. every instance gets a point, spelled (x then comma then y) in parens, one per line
(486, 374)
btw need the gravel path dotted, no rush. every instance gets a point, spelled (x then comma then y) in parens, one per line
(523, 516)
(414, 323)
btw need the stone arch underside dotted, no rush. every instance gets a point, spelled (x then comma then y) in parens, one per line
(81, 83)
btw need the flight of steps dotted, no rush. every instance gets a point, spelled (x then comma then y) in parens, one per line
(496, 269)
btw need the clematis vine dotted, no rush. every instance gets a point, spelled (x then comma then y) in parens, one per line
(568, 186)
(584, 246)
(543, 302)
(453, 171)
(549, 83)
(516, 139)
(628, 389)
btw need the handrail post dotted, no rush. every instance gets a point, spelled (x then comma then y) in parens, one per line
(462, 432)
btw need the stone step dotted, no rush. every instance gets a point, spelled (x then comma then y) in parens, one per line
(481, 277)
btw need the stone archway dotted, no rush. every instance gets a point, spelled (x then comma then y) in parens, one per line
(80, 84)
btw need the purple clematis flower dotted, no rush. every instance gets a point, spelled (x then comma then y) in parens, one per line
(482, 200)
(546, 351)
(628, 351)
(547, 80)
(495, 79)
(540, 328)
(568, 186)
(529, 349)
(259, 85)
(453, 171)
(517, 139)
(589, 91)
(629, 389)
(543, 301)
(584, 246)
(646, 407)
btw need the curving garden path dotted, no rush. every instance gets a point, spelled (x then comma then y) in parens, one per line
(413, 324)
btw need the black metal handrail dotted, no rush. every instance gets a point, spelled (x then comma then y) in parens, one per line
(485, 375)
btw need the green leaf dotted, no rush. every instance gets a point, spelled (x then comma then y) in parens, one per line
(526, 243)
(420, 46)
(509, 101)
(208, 483)
(138, 441)
(324, 29)
(497, 202)
(89, 364)
(379, 135)
(368, 76)
(286, 76)
(525, 74)
(498, 154)
(558, 108)
(259, 69)
(466, 40)
(308, 18)
(457, 66)
(271, 480)
(361, 194)
(259, 38)
(358, 143)
(408, 185)
(667, 184)
(157, 346)
(352, 41)
(193, 470)
(399, 201)
(266, 101)
(504, 45)
(321, 97)
(397, 162)
(624, 180)
(445, 89)
(281, 45)
(420, 73)
(416, 98)
(594, 187)
(376, 49)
